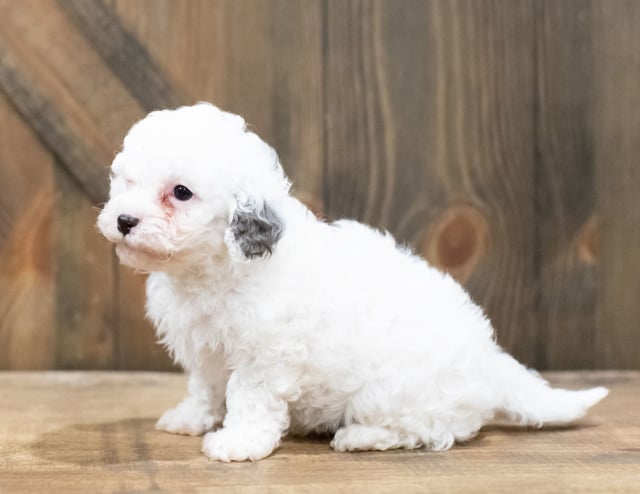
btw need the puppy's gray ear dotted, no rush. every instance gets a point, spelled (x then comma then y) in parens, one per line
(254, 230)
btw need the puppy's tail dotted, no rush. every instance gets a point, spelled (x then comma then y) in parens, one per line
(527, 398)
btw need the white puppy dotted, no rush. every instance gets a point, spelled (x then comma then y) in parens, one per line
(287, 323)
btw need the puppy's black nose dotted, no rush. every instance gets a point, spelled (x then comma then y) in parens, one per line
(126, 223)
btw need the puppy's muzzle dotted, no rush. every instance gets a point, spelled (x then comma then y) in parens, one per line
(126, 223)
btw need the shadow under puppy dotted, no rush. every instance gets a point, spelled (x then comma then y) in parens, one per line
(287, 323)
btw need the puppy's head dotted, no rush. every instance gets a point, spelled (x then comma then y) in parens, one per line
(193, 186)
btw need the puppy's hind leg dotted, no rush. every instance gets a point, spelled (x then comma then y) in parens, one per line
(359, 437)
(385, 415)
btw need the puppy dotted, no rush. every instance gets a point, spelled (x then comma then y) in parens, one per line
(287, 323)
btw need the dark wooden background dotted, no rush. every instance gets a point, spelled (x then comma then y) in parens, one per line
(500, 138)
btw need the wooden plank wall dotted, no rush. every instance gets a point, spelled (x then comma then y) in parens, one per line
(498, 137)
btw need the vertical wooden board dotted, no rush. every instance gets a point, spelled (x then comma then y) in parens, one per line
(296, 112)
(403, 59)
(137, 345)
(359, 152)
(566, 221)
(27, 288)
(617, 151)
(85, 282)
(429, 134)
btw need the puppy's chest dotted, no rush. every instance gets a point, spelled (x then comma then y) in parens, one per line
(187, 322)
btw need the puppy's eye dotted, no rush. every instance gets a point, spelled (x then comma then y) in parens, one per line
(181, 193)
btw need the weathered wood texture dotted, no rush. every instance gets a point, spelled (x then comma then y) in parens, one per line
(27, 294)
(617, 154)
(566, 220)
(93, 432)
(498, 137)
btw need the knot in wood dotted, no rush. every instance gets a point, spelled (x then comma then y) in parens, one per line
(588, 242)
(457, 241)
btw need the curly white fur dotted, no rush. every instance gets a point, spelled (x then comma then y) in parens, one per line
(337, 329)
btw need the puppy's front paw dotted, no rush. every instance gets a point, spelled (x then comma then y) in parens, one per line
(239, 444)
(188, 418)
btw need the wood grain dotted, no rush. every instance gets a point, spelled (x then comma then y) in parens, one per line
(93, 431)
(51, 76)
(428, 110)
(128, 59)
(27, 284)
(137, 348)
(567, 287)
(85, 278)
(358, 141)
(617, 148)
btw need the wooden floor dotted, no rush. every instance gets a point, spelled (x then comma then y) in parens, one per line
(93, 432)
